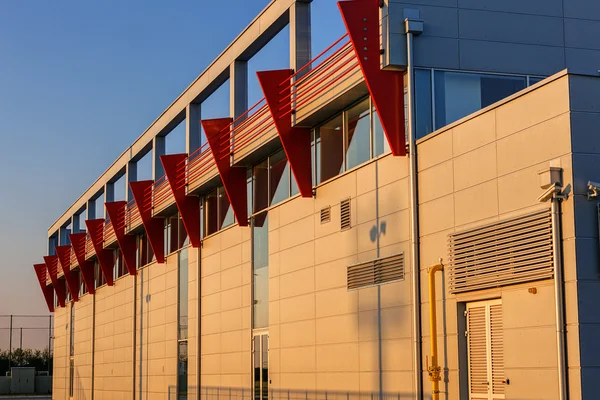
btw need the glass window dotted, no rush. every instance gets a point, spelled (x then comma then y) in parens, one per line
(330, 149)
(249, 191)
(279, 177)
(119, 268)
(226, 217)
(72, 331)
(458, 94)
(210, 211)
(358, 134)
(100, 279)
(535, 79)
(182, 234)
(261, 186)
(423, 104)
(71, 377)
(183, 294)
(145, 254)
(380, 143)
(182, 370)
(260, 266)
(83, 289)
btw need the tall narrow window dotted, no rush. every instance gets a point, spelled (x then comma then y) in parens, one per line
(182, 330)
(358, 134)
(100, 278)
(226, 217)
(279, 178)
(210, 211)
(423, 106)
(260, 266)
(72, 351)
(261, 186)
(330, 149)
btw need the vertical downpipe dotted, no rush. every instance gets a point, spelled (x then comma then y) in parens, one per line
(133, 337)
(558, 294)
(93, 339)
(198, 322)
(414, 218)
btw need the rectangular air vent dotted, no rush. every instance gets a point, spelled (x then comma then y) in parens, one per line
(325, 214)
(345, 219)
(503, 253)
(376, 272)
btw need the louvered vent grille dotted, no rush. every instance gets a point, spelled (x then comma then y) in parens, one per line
(326, 214)
(478, 359)
(345, 217)
(376, 272)
(497, 349)
(504, 253)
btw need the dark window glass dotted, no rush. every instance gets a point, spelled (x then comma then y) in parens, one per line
(423, 104)
(171, 234)
(182, 370)
(459, 94)
(279, 178)
(260, 265)
(182, 234)
(71, 377)
(535, 79)
(119, 264)
(210, 211)
(100, 279)
(331, 149)
(83, 289)
(380, 144)
(261, 186)
(249, 191)
(183, 294)
(72, 331)
(358, 134)
(226, 217)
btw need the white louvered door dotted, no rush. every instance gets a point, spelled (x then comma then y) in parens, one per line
(485, 346)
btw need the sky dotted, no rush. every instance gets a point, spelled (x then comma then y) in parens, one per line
(80, 81)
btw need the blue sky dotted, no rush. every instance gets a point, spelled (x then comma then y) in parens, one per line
(80, 81)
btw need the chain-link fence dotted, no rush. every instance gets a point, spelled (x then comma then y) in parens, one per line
(25, 340)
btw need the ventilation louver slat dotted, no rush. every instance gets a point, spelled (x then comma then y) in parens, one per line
(325, 214)
(376, 272)
(345, 217)
(503, 253)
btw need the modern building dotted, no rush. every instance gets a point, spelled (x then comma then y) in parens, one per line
(419, 179)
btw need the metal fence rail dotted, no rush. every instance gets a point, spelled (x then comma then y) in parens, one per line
(230, 393)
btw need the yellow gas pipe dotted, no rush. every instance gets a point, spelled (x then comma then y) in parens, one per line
(435, 371)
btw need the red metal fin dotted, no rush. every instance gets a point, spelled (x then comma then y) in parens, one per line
(86, 267)
(116, 213)
(58, 284)
(40, 272)
(105, 258)
(64, 259)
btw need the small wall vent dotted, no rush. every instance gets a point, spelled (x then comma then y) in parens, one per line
(504, 253)
(325, 214)
(376, 272)
(345, 215)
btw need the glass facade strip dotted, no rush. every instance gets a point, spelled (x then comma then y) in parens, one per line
(358, 134)
(260, 266)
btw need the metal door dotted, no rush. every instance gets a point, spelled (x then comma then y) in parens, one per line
(260, 361)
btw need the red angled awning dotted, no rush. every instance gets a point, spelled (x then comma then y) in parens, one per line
(58, 284)
(86, 267)
(105, 257)
(154, 227)
(41, 271)
(64, 259)
(116, 213)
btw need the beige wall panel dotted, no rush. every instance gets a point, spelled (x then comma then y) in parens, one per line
(435, 150)
(533, 108)
(332, 274)
(297, 283)
(475, 167)
(542, 142)
(298, 359)
(367, 325)
(299, 381)
(532, 383)
(337, 357)
(476, 203)
(396, 322)
(297, 308)
(334, 191)
(391, 169)
(364, 208)
(294, 210)
(394, 197)
(336, 302)
(365, 179)
(297, 334)
(337, 329)
(436, 182)
(399, 382)
(533, 309)
(296, 233)
(522, 347)
(336, 246)
(474, 133)
(436, 215)
(338, 382)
